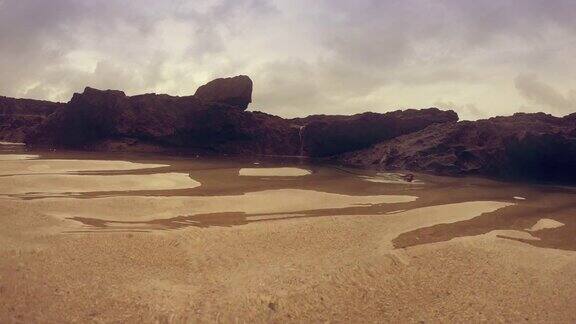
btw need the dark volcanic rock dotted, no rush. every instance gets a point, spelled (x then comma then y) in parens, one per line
(20, 116)
(95, 115)
(523, 146)
(235, 91)
(105, 120)
(331, 135)
(215, 120)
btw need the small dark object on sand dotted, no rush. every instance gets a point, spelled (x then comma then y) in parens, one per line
(272, 306)
(408, 177)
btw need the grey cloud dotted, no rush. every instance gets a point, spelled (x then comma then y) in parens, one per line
(464, 111)
(543, 94)
(224, 18)
(349, 55)
(37, 35)
(290, 86)
(453, 42)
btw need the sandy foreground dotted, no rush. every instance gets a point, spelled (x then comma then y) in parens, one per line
(148, 239)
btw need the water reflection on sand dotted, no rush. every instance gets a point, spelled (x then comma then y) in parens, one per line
(11, 143)
(17, 157)
(97, 195)
(177, 212)
(32, 165)
(66, 183)
(273, 172)
(146, 238)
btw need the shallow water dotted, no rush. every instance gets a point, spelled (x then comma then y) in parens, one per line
(17, 157)
(273, 172)
(92, 237)
(94, 193)
(11, 143)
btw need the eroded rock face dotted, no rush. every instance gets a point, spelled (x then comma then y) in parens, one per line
(104, 120)
(214, 120)
(537, 147)
(330, 135)
(235, 91)
(96, 115)
(110, 120)
(523, 146)
(20, 116)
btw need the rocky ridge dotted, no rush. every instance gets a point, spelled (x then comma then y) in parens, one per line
(19, 117)
(523, 146)
(214, 120)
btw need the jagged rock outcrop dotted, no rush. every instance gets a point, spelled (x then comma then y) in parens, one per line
(103, 120)
(330, 135)
(95, 115)
(235, 91)
(522, 146)
(20, 116)
(537, 147)
(214, 120)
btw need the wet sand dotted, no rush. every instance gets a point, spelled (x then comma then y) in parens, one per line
(114, 238)
(273, 172)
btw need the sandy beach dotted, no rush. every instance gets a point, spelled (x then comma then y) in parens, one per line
(113, 238)
(285, 161)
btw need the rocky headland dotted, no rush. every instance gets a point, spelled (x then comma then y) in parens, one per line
(19, 117)
(524, 146)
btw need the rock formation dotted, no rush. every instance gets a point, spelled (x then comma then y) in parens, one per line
(236, 91)
(215, 120)
(18, 117)
(104, 120)
(330, 135)
(537, 147)
(523, 146)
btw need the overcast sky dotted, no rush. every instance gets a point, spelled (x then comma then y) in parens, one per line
(479, 57)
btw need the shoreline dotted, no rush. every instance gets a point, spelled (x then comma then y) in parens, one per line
(278, 246)
(173, 154)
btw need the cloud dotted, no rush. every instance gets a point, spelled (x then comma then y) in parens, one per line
(540, 93)
(326, 56)
(465, 111)
(50, 49)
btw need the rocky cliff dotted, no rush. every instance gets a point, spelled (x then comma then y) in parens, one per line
(235, 91)
(19, 117)
(523, 146)
(330, 135)
(104, 120)
(215, 119)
